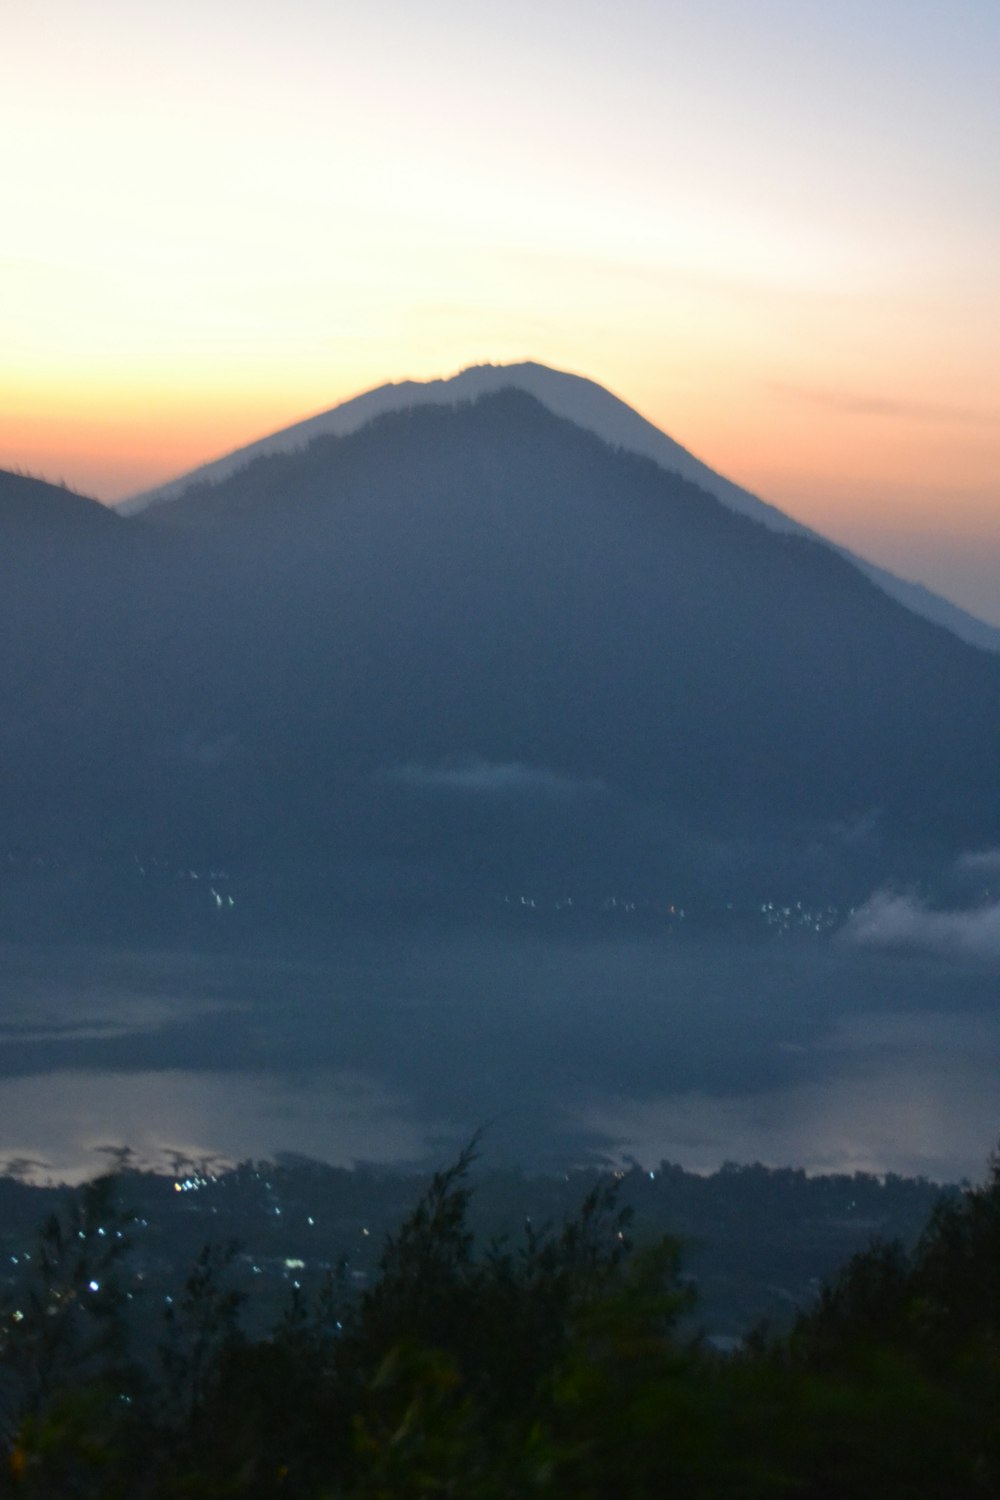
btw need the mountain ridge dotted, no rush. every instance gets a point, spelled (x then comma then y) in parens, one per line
(481, 648)
(594, 408)
(30, 503)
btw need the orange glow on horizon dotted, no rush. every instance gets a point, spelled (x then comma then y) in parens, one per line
(823, 461)
(786, 258)
(912, 490)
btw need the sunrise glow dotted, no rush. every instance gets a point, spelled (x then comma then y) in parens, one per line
(774, 230)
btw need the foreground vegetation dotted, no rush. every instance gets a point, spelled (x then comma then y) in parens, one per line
(559, 1366)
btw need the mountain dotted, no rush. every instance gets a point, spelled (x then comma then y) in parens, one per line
(32, 505)
(592, 407)
(475, 647)
(73, 610)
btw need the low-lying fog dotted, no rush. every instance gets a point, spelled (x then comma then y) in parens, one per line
(823, 1054)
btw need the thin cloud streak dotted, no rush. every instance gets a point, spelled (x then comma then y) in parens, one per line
(860, 404)
(890, 920)
(981, 861)
(494, 779)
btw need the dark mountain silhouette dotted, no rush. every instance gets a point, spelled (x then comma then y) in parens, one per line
(28, 505)
(595, 409)
(475, 638)
(72, 610)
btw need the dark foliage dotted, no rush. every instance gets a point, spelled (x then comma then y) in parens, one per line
(551, 1366)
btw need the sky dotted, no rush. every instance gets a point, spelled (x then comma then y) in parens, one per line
(774, 229)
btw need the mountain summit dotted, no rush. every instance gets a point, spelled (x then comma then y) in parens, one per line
(475, 645)
(597, 410)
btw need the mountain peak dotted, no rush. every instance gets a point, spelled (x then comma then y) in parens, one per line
(474, 638)
(590, 406)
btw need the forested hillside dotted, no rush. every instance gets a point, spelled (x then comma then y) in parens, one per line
(557, 1363)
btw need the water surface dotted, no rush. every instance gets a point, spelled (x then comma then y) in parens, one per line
(396, 1047)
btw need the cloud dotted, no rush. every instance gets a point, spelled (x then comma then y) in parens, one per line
(894, 921)
(983, 861)
(859, 829)
(859, 404)
(494, 779)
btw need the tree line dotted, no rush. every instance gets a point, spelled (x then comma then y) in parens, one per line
(559, 1363)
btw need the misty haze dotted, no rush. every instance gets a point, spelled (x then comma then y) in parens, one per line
(631, 819)
(393, 1048)
(500, 751)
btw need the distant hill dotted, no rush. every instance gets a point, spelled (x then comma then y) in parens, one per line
(590, 406)
(479, 640)
(28, 504)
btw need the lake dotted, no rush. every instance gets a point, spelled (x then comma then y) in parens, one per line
(395, 1047)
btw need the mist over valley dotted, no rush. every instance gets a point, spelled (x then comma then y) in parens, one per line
(443, 763)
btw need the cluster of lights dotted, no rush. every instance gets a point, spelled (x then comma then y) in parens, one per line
(606, 904)
(797, 915)
(191, 1184)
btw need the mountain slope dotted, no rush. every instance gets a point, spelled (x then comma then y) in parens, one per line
(590, 406)
(459, 625)
(33, 505)
(477, 648)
